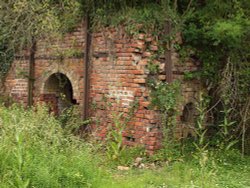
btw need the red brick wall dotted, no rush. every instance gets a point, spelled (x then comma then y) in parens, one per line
(51, 100)
(118, 76)
(16, 82)
(61, 55)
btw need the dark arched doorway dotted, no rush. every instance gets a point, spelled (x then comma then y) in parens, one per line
(188, 113)
(59, 92)
(188, 120)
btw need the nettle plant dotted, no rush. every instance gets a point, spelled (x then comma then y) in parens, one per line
(115, 149)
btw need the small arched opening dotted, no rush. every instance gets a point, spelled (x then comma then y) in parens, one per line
(188, 113)
(188, 120)
(59, 92)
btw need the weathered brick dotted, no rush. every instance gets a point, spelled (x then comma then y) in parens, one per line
(140, 81)
(118, 75)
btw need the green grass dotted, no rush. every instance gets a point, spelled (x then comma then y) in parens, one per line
(187, 175)
(36, 152)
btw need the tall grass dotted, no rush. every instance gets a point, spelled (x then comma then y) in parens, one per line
(36, 152)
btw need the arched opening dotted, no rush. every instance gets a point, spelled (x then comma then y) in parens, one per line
(59, 92)
(188, 120)
(188, 113)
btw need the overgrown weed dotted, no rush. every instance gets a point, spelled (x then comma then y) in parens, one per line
(36, 151)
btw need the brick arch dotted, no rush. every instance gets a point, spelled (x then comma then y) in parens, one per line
(73, 78)
(188, 113)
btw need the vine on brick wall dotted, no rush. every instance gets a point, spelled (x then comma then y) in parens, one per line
(6, 58)
(215, 34)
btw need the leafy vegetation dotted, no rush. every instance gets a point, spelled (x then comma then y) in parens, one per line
(23, 22)
(215, 34)
(36, 152)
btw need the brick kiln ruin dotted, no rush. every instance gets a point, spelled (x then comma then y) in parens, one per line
(107, 77)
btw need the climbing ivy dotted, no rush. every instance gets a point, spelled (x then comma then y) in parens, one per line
(215, 35)
(164, 96)
(6, 58)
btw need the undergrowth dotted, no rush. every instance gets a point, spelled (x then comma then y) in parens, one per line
(36, 152)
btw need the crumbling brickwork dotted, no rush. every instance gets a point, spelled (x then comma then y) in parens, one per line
(118, 80)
